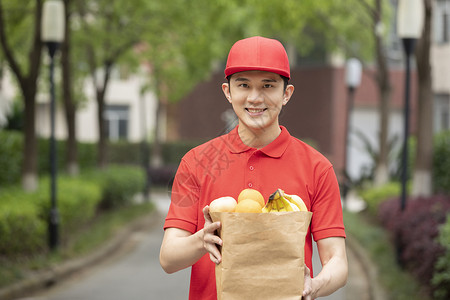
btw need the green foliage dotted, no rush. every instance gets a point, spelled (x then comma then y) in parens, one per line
(441, 162)
(173, 152)
(119, 184)
(441, 278)
(10, 156)
(16, 117)
(24, 216)
(77, 201)
(22, 230)
(374, 196)
(123, 153)
(18, 20)
(82, 241)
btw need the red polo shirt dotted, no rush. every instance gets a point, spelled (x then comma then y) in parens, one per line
(225, 166)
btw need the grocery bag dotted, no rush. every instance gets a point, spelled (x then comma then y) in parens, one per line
(262, 255)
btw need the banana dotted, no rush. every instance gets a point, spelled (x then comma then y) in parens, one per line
(297, 201)
(279, 201)
(267, 208)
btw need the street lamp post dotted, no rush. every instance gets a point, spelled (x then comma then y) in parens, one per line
(52, 34)
(352, 80)
(410, 14)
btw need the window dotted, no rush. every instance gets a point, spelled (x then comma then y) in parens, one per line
(445, 27)
(116, 119)
(442, 112)
(442, 21)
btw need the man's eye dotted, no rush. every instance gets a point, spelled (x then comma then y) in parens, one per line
(266, 86)
(244, 85)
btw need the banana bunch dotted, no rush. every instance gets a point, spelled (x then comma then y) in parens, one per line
(279, 201)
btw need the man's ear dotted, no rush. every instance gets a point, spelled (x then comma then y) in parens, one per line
(288, 93)
(226, 91)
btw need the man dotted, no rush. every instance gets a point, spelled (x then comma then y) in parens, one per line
(258, 154)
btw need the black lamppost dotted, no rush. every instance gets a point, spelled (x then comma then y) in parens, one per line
(410, 14)
(52, 34)
(352, 80)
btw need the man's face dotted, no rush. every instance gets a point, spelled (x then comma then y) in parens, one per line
(257, 98)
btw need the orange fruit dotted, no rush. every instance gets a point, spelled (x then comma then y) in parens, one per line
(252, 194)
(248, 206)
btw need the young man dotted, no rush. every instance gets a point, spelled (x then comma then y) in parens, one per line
(258, 154)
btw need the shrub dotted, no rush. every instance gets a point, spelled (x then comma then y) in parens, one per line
(21, 228)
(77, 202)
(441, 163)
(119, 184)
(123, 152)
(441, 278)
(173, 152)
(377, 195)
(415, 230)
(10, 156)
(24, 216)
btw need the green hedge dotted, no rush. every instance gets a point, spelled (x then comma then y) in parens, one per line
(22, 228)
(376, 195)
(10, 156)
(121, 152)
(77, 201)
(441, 278)
(24, 216)
(441, 163)
(118, 184)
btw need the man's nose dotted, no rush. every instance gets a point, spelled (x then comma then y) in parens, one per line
(255, 95)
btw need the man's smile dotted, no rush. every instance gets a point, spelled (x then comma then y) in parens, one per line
(255, 111)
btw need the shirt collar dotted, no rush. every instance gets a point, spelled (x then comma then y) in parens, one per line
(275, 149)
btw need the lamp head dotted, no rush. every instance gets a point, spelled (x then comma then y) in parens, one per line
(52, 25)
(353, 73)
(410, 18)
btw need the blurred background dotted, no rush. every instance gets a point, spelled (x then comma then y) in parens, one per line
(94, 122)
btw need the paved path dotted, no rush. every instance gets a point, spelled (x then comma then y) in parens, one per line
(135, 274)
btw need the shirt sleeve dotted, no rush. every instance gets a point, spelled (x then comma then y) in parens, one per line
(327, 220)
(183, 210)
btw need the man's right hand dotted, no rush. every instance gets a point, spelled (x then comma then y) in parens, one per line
(210, 239)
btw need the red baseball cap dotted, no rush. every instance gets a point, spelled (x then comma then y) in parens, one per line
(258, 53)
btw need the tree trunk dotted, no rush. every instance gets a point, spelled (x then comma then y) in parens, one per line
(381, 175)
(102, 158)
(69, 105)
(29, 167)
(101, 147)
(28, 87)
(422, 176)
(161, 111)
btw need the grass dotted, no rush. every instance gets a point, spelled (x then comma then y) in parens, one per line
(80, 243)
(399, 284)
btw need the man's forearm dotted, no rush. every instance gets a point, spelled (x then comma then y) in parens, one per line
(179, 252)
(332, 277)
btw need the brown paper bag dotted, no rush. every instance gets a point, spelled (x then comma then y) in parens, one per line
(262, 255)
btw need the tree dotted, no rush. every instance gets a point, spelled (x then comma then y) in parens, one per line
(109, 30)
(186, 37)
(385, 89)
(19, 32)
(336, 22)
(422, 182)
(372, 19)
(67, 87)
